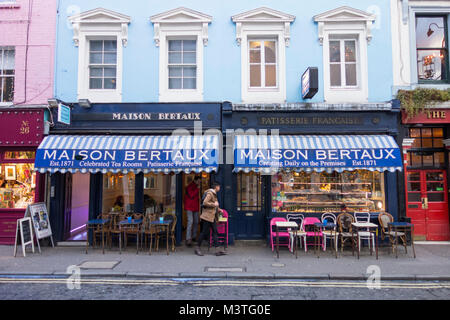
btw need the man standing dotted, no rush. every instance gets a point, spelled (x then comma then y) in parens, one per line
(209, 216)
(191, 205)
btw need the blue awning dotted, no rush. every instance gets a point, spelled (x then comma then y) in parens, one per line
(271, 153)
(175, 153)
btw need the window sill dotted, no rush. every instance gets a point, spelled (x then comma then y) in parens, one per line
(6, 104)
(11, 5)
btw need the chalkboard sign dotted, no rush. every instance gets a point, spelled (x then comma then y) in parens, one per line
(24, 235)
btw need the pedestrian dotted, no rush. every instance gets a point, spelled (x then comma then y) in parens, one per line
(192, 206)
(209, 217)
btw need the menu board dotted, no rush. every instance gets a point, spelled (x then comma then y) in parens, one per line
(39, 215)
(24, 235)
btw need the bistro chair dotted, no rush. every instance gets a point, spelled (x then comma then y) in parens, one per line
(308, 227)
(115, 228)
(133, 230)
(148, 230)
(344, 222)
(300, 233)
(172, 218)
(384, 219)
(281, 233)
(106, 228)
(222, 231)
(329, 234)
(364, 217)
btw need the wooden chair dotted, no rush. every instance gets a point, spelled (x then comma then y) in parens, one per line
(133, 230)
(114, 228)
(173, 223)
(148, 231)
(384, 219)
(345, 221)
(106, 228)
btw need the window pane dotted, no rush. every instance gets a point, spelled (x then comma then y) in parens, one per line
(426, 132)
(175, 57)
(96, 45)
(118, 192)
(174, 83)
(335, 51)
(159, 193)
(255, 44)
(438, 143)
(335, 75)
(190, 72)
(436, 197)
(416, 160)
(249, 191)
(15, 155)
(8, 60)
(175, 72)
(189, 83)
(255, 56)
(414, 197)
(438, 132)
(8, 89)
(95, 83)
(431, 64)
(96, 58)
(110, 72)
(96, 72)
(110, 83)
(271, 76)
(270, 53)
(189, 45)
(439, 159)
(17, 185)
(174, 45)
(430, 32)
(350, 74)
(255, 76)
(427, 143)
(416, 143)
(350, 49)
(110, 45)
(413, 176)
(189, 57)
(110, 58)
(428, 160)
(414, 133)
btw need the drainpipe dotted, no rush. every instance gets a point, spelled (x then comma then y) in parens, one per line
(405, 11)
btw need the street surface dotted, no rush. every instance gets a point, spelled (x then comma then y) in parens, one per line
(38, 288)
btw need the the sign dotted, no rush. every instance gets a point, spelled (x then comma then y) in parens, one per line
(318, 158)
(313, 120)
(39, 216)
(21, 127)
(149, 116)
(64, 114)
(431, 116)
(310, 83)
(24, 235)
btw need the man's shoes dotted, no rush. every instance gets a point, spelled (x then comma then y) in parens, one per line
(220, 252)
(189, 243)
(198, 252)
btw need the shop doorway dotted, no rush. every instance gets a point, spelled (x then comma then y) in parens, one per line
(249, 217)
(427, 204)
(77, 206)
(205, 183)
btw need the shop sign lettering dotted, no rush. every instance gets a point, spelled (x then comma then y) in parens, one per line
(293, 120)
(157, 116)
(436, 115)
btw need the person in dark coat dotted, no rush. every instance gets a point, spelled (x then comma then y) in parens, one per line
(192, 206)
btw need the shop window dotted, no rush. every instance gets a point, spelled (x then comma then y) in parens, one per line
(7, 73)
(249, 191)
(118, 192)
(17, 185)
(358, 190)
(19, 155)
(432, 48)
(427, 149)
(159, 193)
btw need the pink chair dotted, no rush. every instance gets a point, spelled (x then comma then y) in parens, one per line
(308, 226)
(281, 234)
(222, 231)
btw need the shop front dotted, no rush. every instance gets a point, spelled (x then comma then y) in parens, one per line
(310, 162)
(426, 162)
(135, 158)
(21, 132)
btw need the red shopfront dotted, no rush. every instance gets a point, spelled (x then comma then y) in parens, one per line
(21, 132)
(426, 161)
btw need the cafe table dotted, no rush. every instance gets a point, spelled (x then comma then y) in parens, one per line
(318, 227)
(402, 227)
(366, 227)
(93, 224)
(161, 224)
(285, 224)
(124, 224)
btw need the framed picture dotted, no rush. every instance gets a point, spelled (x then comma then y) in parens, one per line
(10, 172)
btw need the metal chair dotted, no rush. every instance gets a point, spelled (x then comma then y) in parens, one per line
(172, 218)
(344, 222)
(329, 234)
(364, 217)
(300, 233)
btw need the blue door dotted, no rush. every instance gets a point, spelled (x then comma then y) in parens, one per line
(249, 217)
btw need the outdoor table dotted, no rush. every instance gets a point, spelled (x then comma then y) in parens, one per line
(166, 225)
(317, 227)
(285, 224)
(126, 223)
(404, 227)
(373, 228)
(92, 224)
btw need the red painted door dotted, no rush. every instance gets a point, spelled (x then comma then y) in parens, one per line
(427, 204)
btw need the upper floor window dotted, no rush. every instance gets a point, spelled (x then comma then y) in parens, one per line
(432, 48)
(102, 64)
(343, 63)
(263, 63)
(182, 64)
(7, 71)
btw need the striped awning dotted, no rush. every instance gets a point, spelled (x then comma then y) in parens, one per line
(175, 153)
(270, 154)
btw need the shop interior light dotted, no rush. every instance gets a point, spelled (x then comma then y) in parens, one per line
(84, 103)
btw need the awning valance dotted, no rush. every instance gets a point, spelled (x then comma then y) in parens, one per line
(270, 154)
(176, 153)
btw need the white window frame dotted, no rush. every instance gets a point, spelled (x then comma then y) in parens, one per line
(99, 24)
(343, 63)
(180, 24)
(259, 24)
(182, 64)
(346, 22)
(2, 50)
(263, 64)
(100, 65)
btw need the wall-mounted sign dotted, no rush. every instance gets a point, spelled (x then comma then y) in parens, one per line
(64, 114)
(310, 83)
(431, 116)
